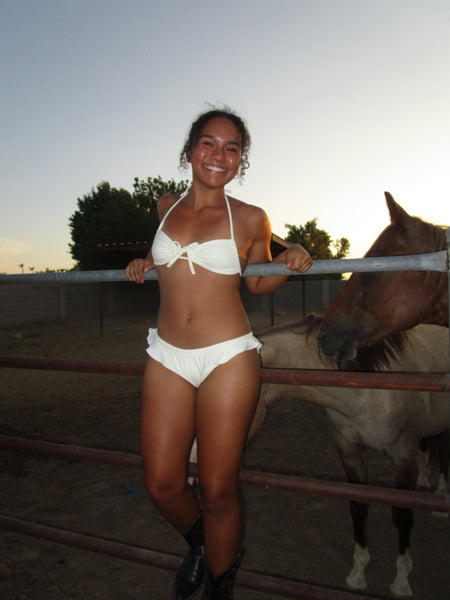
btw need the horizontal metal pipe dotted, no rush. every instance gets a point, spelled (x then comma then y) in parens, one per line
(272, 481)
(248, 579)
(94, 544)
(431, 261)
(66, 364)
(347, 491)
(432, 382)
(436, 382)
(70, 452)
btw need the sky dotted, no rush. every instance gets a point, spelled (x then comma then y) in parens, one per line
(344, 99)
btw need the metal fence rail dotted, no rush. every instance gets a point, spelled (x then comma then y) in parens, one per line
(432, 261)
(431, 382)
(271, 481)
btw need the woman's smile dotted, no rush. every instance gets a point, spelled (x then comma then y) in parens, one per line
(215, 168)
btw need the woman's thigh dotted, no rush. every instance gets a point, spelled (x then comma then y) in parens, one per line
(226, 403)
(167, 423)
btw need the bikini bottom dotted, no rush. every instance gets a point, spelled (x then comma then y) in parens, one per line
(194, 365)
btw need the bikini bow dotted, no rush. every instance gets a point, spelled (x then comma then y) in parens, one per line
(180, 250)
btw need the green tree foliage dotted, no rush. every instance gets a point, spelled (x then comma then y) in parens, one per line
(318, 243)
(115, 216)
(147, 193)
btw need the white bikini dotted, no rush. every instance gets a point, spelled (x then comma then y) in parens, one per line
(219, 256)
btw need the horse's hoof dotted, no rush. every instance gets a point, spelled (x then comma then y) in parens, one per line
(356, 583)
(400, 587)
(403, 591)
(361, 558)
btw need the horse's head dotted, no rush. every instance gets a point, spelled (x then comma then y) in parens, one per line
(371, 306)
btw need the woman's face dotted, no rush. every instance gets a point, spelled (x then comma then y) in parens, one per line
(216, 157)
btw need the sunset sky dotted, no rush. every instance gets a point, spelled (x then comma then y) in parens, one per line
(343, 99)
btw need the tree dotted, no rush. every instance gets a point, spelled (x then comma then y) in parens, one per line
(147, 193)
(318, 243)
(115, 216)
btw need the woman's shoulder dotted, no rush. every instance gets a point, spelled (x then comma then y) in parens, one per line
(168, 199)
(247, 210)
(253, 216)
(166, 202)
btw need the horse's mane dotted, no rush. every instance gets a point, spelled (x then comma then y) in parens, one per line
(434, 240)
(433, 235)
(378, 355)
(370, 358)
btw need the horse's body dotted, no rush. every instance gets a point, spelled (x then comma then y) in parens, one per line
(374, 305)
(389, 421)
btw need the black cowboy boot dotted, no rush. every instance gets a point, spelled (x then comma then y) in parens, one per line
(221, 587)
(190, 573)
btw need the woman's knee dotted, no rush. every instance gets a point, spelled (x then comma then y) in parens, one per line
(164, 491)
(218, 498)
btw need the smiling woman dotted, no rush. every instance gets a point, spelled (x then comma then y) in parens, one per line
(202, 351)
(197, 129)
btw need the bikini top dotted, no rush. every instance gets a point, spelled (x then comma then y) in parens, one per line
(219, 256)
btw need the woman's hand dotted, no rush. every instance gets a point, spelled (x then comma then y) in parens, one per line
(297, 258)
(136, 269)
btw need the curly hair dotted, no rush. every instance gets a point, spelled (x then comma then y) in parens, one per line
(196, 130)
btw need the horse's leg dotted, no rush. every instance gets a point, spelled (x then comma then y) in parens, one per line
(442, 443)
(403, 520)
(434, 465)
(443, 451)
(406, 478)
(423, 479)
(353, 459)
(361, 557)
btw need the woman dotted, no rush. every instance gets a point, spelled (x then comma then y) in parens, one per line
(202, 379)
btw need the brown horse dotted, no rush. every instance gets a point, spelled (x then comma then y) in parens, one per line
(390, 421)
(371, 306)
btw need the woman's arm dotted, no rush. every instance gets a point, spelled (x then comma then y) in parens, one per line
(295, 257)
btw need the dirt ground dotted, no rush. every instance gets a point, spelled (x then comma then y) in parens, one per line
(301, 537)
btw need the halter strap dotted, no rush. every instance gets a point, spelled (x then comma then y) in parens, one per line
(185, 193)
(230, 216)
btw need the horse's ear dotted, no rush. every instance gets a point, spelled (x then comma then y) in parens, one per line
(399, 216)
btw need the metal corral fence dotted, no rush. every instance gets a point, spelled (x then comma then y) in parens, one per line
(437, 261)
(32, 301)
(46, 297)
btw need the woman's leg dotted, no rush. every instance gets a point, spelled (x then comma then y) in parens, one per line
(225, 406)
(167, 433)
